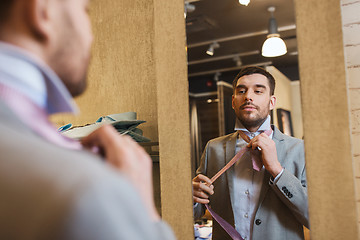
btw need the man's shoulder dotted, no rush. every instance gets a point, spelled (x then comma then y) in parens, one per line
(47, 162)
(80, 187)
(222, 139)
(40, 174)
(278, 135)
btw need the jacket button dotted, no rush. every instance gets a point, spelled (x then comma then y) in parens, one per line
(257, 221)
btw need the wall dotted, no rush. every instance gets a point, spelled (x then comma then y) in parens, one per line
(296, 109)
(122, 74)
(139, 64)
(288, 98)
(326, 119)
(351, 30)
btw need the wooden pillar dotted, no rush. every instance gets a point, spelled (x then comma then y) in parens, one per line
(173, 116)
(326, 120)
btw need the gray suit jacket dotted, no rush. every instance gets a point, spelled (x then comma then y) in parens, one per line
(282, 209)
(49, 192)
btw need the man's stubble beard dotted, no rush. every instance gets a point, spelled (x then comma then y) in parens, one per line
(249, 123)
(70, 60)
(74, 79)
(78, 86)
(252, 123)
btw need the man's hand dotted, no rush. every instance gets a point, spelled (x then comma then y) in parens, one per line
(268, 153)
(202, 188)
(127, 157)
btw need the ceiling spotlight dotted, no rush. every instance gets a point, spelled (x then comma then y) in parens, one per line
(188, 8)
(244, 2)
(212, 46)
(273, 46)
(293, 53)
(216, 76)
(238, 61)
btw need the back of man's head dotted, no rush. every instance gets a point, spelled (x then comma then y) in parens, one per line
(256, 70)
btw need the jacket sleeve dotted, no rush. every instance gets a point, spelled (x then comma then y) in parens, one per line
(110, 209)
(291, 187)
(199, 209)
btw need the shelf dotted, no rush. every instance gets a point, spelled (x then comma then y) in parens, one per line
(152, 148)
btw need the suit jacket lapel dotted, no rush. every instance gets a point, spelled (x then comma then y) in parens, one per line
(230, 146)
(278, 139)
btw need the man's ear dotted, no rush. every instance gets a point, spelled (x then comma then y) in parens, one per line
(38, 18)
(232, 101)
(272, 102)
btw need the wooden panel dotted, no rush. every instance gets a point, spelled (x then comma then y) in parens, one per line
(326, 120)
(173, 116)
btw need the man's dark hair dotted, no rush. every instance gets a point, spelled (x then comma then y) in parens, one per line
(254, 70)
(5, 6)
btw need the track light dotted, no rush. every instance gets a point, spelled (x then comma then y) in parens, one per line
(238, 61)
(211, 48)
(216, 76)
(188, 8)
(273, 46)
(244, 2)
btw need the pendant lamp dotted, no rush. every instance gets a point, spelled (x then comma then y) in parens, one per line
(273, 46)
(244, 2)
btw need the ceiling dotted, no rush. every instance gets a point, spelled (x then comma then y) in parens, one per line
(240, 31)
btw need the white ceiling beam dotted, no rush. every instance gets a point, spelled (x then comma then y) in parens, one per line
(191, 1)
(240, 36)
(228, 69)
(211, 59)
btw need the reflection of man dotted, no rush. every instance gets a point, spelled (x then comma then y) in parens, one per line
(52, 188)
(267, 204)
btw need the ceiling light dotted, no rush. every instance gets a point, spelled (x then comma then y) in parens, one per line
(273, 46)
(244, 2)
(211, 48)
(188, 8)
(212, 100)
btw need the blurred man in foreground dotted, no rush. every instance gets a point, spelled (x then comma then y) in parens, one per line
(52, 187)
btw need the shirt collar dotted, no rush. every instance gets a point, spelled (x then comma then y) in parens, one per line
(265, 126)
(35, 80)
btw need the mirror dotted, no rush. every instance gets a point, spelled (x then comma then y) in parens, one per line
(222, 38)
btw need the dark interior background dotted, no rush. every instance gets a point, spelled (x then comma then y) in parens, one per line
(240, 31)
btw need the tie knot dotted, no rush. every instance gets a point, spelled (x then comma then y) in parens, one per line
(247, 136)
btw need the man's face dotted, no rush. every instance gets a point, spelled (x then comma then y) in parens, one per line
(71, 41)
(252, 101)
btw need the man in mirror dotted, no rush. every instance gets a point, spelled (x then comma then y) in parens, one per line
(264, 194)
